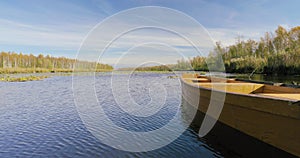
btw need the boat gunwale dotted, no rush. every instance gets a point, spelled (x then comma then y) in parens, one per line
(291, 101)
(294, 108)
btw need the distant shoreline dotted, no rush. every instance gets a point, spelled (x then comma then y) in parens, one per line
(11, 63)
(42, 70)
(9, 71)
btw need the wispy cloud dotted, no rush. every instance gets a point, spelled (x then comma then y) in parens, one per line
(25, 34)
(61, 25)
(229, 36)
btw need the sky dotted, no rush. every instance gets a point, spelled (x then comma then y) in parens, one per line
(59, 27)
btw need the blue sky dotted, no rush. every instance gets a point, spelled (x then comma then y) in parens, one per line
(57, 27)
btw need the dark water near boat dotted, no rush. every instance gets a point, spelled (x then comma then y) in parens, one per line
(39, 119)
(288, 79)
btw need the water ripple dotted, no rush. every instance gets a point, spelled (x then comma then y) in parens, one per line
(39, 119)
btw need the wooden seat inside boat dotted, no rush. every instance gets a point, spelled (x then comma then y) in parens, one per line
(195, 80)
(245, 88)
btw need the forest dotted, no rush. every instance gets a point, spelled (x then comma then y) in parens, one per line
(11, 62)
(276, 53)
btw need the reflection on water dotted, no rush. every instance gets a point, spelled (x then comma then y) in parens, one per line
(289, 79)
(39, 118)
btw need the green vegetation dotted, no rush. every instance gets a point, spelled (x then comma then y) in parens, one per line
(21, 63)
(22, 79)
(272, 54)
(275, 53)
(148, 68)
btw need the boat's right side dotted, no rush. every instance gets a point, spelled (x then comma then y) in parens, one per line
(269, 114)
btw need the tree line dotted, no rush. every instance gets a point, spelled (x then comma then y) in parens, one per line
(11, 62)
(275, 53)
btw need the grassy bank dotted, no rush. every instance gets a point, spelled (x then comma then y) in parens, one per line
(22, 79)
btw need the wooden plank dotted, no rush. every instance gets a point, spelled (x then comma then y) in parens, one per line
(200, 80)
(245, 88)
(266, 116)
(282, 95)
(277, 89)
(191, 75)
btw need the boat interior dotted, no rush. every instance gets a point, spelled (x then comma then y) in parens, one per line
(276, 90)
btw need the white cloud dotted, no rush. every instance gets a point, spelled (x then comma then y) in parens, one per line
(69, 35)
(229, 36)
(16, 33)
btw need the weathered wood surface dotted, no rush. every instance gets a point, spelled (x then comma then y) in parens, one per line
(268, 113)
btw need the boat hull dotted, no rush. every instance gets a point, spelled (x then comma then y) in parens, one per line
(271, 122)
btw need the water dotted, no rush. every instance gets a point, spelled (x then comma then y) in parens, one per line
(39, 119)
(288, 79)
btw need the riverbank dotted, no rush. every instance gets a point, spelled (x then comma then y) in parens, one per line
(23, 78)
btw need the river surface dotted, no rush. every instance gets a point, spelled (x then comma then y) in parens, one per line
(287, 79)
(40, 119)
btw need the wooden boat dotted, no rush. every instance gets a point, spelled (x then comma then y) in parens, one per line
(265, 112)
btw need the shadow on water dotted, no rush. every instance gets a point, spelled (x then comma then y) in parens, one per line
(231, 142)
(287, 79)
